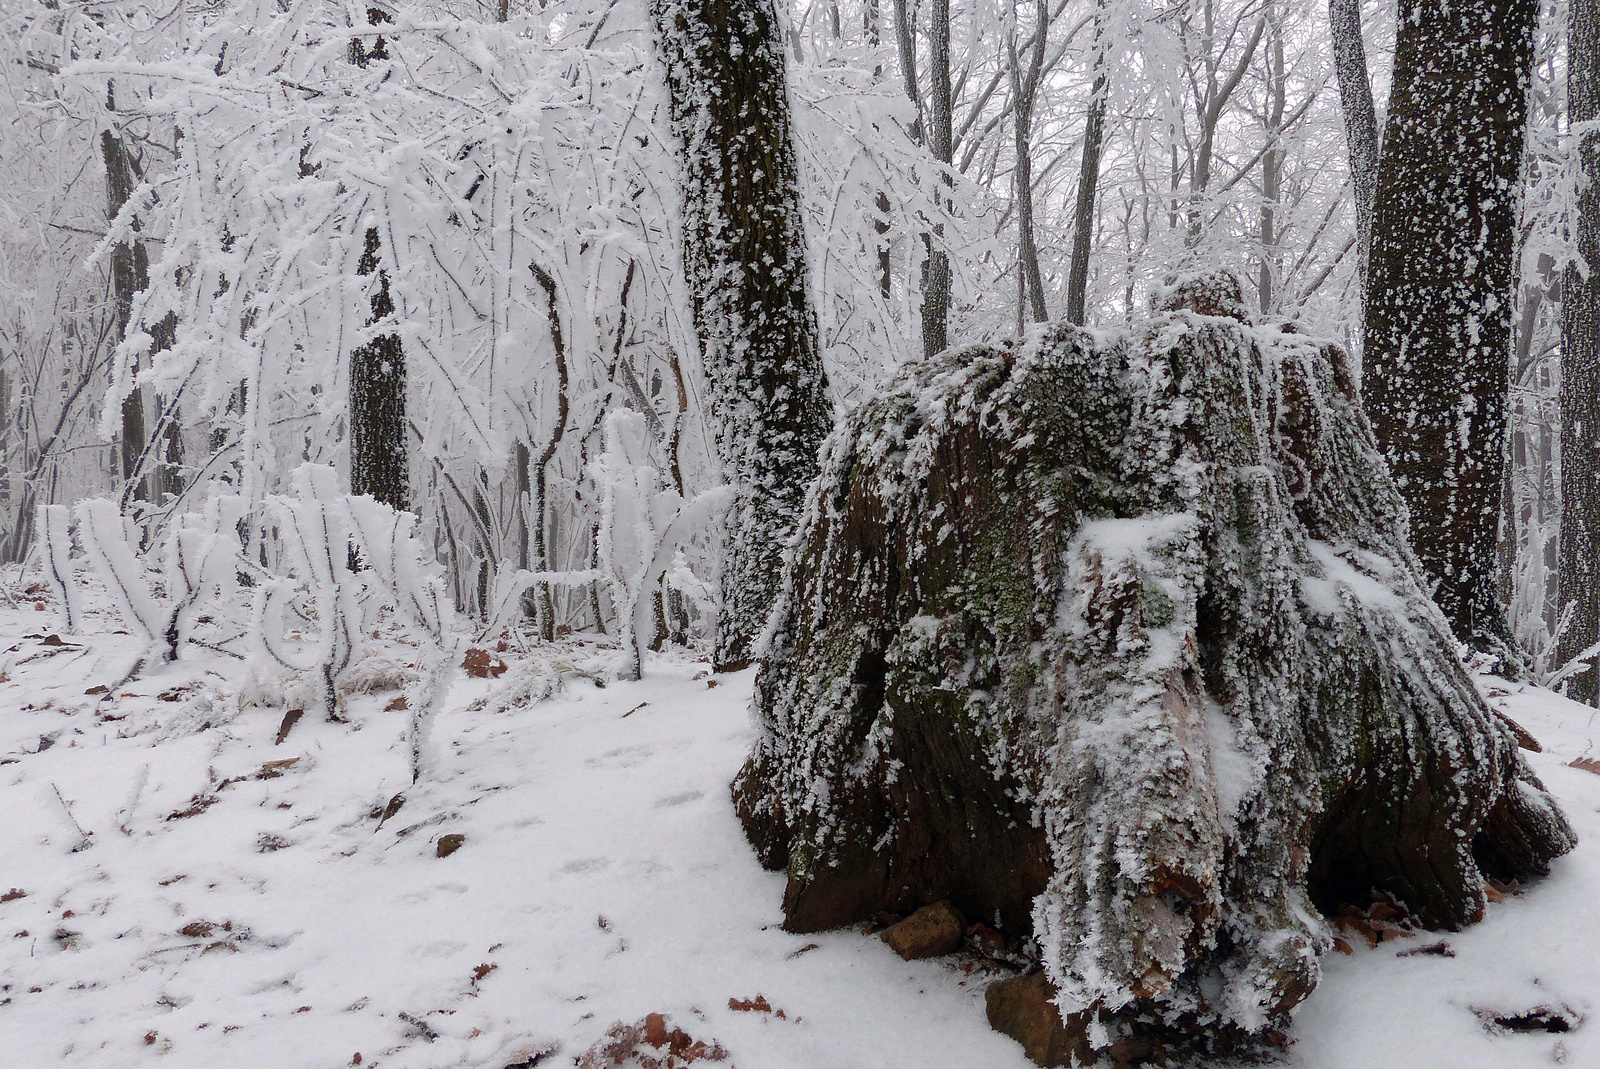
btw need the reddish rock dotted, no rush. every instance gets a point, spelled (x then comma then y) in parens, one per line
(1023, 1008)
(927, 933)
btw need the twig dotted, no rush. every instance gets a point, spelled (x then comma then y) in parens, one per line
(84, 842)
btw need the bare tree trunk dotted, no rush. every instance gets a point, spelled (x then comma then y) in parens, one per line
(1360, 117)
(379, 460)
(872, 20)
(541, 468)
(1438, 330)
(1083, 212)
(1271, 163)
(130, 274)
(936, 268)
(379, 464)
(1024, 90)
(1212, 103)
(744, 255)
(1578, 573)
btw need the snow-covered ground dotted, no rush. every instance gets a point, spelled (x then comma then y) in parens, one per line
(242, 902)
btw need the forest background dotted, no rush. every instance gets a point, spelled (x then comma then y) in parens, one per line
(223, 225)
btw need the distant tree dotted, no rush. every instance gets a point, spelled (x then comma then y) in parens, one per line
(1578, 573)
(378, 459)
(744, 255)
(1088, 180)
(1438, 321)
(378, 456)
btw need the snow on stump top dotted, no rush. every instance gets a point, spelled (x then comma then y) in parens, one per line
(1116, 640)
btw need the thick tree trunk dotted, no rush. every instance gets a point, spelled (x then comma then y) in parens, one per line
(1360, 116)
(378, 459)
(744, 255)
(1578, 576)
(1119, 643)
(1438, 330)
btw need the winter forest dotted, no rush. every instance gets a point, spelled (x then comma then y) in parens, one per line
(638, 533)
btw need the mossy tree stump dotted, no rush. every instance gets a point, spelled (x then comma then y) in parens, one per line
(1117, 641)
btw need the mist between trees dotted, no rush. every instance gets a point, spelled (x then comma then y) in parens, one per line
(473, 257)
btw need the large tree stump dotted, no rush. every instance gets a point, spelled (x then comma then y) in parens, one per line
(1118, 641)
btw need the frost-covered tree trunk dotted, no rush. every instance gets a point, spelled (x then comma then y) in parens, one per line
(378, 456)
(1117, 642)
(130, 274)
(744, 255)
(379, 460)
(1440, 277)
(1578, 575)
(1360, 116)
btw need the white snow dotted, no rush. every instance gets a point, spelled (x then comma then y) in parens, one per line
(603, 876)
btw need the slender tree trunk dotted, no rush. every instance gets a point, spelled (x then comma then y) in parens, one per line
(1271, 165)
(541, 468)
(1083, 212)
(379, 463)
(872, 23)
(936, 268)
(1438, 331)
(378, 458)
(130, 274)
(1360, 116)
(1024, 89)
(1578, 574)
(744, 255)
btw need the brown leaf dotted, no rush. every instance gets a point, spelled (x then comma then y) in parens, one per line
(481, 664)
(1588, 764)
(290, 718)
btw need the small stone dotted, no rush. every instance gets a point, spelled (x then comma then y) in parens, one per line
(1022, 1007)
(449, 844)
(986, 940)
(927, 933)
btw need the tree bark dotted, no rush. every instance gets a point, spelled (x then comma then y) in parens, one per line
(379, 459)
(1360, 116)
(1083, 211)
(1578, 574)
(130, 274)
(541, 467)
(379, 464)
(1024, 89)
(1271, 164)
(1438, 330)
(744, 256)
(1117, 643)
(936, 268)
